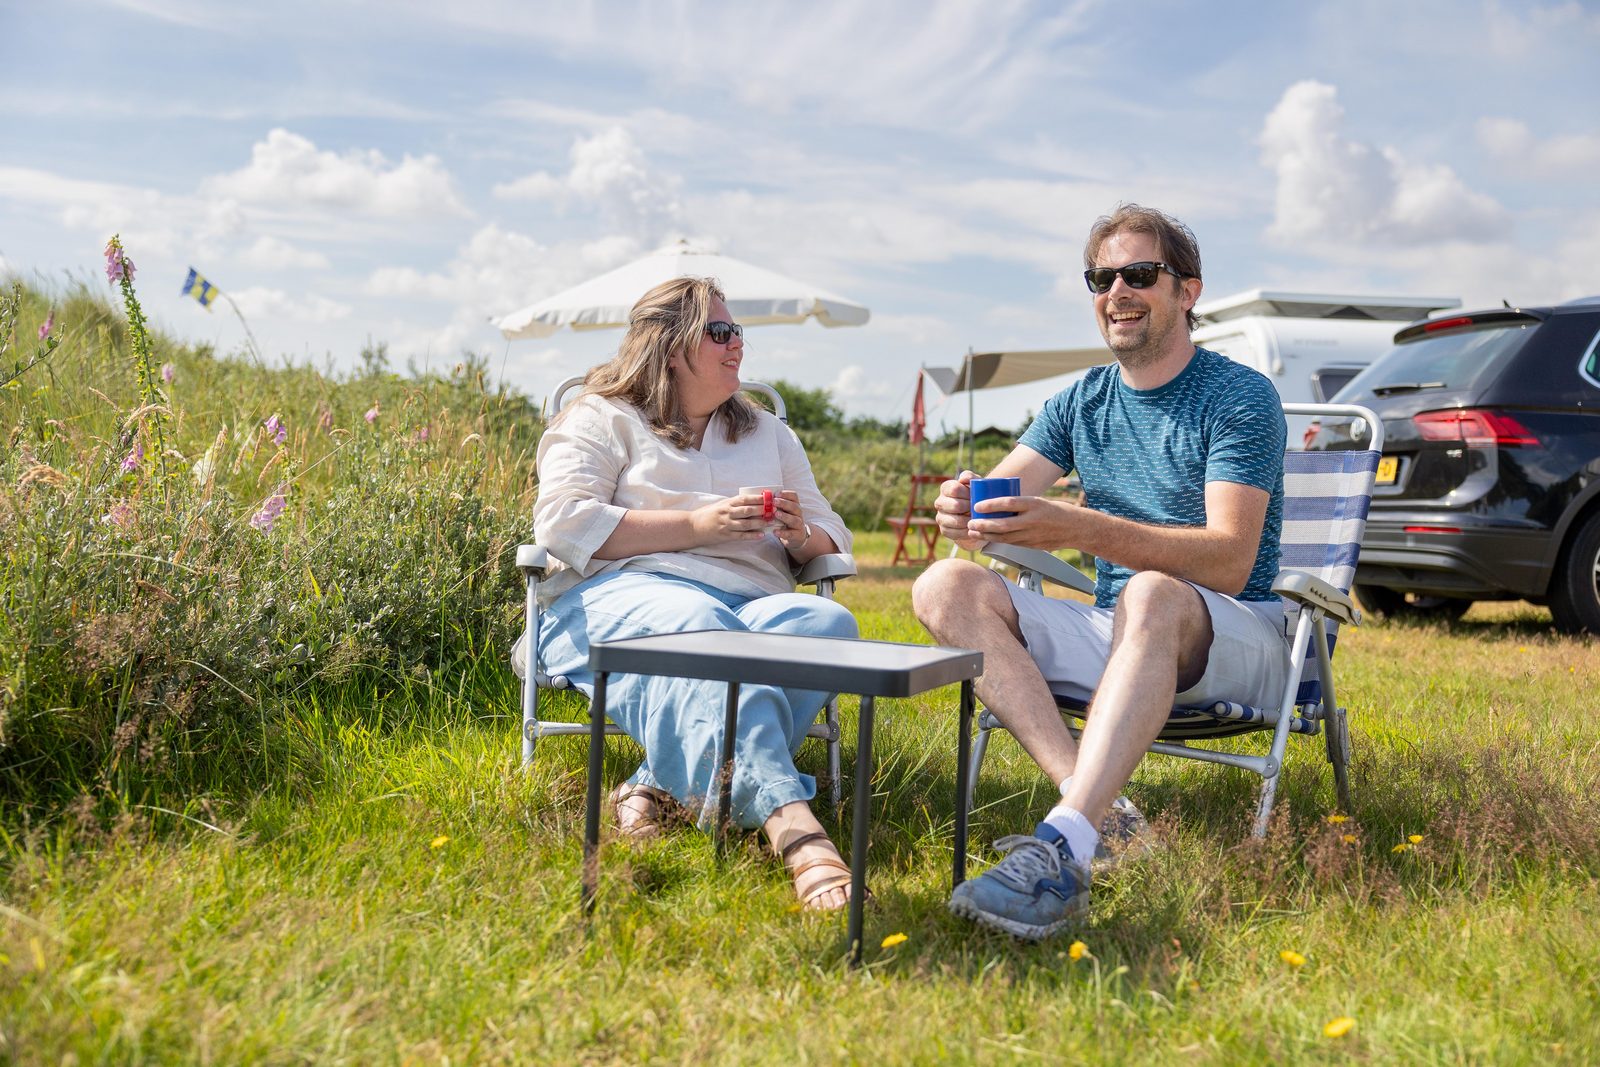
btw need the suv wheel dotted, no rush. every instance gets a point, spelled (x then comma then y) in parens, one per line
(1382, 604)
(1575, 586)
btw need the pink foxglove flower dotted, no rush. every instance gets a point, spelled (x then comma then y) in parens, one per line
(270, 510)
(372, 413)
(134, 458)
(276, 429)
(48, 325)
(168, 372)
(118, 265)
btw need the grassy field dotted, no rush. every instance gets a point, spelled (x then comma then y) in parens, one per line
(260, 803)
(405, 895)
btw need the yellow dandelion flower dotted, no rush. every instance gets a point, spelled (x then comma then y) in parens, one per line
(1401, 847)
(440, 841)
(894, 939)
(1077, 950)
(1292, 958)
(1415, 839)
(1337, 819)
(1522, 648)
(1348, 839)
(1338, 1027)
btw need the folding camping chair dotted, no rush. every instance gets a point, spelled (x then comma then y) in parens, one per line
(821, 572)
(1325, 500)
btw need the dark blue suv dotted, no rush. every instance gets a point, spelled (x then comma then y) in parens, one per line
(1489, 486)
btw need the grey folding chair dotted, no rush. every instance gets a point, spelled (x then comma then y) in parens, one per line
(821, 573)
(1326, 496)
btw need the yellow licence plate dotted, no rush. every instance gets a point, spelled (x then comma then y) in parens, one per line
(1388, 470)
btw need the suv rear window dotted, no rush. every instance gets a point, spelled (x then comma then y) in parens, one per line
(1452, 360)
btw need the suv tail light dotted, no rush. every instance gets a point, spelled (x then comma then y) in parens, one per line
(1478, 426)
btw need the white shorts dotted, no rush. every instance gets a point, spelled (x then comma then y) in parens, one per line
(1248, 662)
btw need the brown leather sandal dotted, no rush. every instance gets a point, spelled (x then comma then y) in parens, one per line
(638, 808)
(810, 895)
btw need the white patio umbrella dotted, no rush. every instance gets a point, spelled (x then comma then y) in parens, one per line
(756, 296)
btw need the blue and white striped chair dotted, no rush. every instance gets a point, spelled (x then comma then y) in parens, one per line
(1325, 501)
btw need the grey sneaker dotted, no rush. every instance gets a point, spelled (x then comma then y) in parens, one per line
(1035, 890)
(1124, 835)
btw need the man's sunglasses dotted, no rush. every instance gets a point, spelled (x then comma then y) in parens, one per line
(1137, 275)
(723, 332)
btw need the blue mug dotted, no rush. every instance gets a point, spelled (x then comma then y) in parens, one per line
(988, 489)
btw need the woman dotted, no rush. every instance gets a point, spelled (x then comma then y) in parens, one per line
(638, 498)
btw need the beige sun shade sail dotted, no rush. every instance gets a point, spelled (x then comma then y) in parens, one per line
(756, 296)
(991, 370)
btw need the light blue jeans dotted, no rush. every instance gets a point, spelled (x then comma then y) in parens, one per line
(679, 721)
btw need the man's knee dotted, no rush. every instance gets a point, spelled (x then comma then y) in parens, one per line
(1152, 598)
(951, 593)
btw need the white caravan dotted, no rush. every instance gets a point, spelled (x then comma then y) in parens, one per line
(1309, 344)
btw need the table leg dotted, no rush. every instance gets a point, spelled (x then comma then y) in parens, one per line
(859, 821)
(730, 723)
(963, 773)
(589, 877)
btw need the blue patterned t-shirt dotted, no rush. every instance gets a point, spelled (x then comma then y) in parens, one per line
(1146, 454)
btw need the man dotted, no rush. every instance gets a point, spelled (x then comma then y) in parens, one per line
(1180, 454)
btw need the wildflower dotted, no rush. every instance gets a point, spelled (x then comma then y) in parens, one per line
(1337, 819)
(1077, 950)
(1401, 847)
(1348, 839)
(131, 461)
(421, 435)
(168, 372)
(48, 325)
(372, 413)
(276, 429)
(1415, 839)
(894, 939)
(120, 515)
(270, 510)
(1338, 1027)
(440, 841)
(118, 265)
(1292, 958)
(325, 420)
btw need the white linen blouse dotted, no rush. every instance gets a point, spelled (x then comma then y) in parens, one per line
(599, 459)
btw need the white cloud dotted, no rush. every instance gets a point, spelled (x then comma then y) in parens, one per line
(1511, 142)
(287, 168)
(1333, 189)
(855, 385)
(611, 175)
(262, 303)
(270, 253)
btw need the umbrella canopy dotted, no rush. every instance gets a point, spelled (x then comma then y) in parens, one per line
(756, 296)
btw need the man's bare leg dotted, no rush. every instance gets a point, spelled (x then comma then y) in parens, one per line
(1160, 640)
(967, 605)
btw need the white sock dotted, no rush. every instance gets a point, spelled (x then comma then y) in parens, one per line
(1081, 835)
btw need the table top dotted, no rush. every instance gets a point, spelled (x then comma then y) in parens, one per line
(834, 664)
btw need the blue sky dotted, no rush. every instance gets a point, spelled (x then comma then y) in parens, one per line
(402, 172)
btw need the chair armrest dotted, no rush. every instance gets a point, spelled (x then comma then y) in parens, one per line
(830, 565)
(1312, 592)
(533, 558)
(1050, 568)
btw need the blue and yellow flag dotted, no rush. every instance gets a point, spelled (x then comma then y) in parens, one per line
(200, 289)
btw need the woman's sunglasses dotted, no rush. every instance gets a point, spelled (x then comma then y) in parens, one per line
(1137, 275)
(723, 332)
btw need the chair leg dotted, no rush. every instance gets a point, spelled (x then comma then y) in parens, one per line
(1336, 729)
(980, 745)
(1269, 793)
(835, 771)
